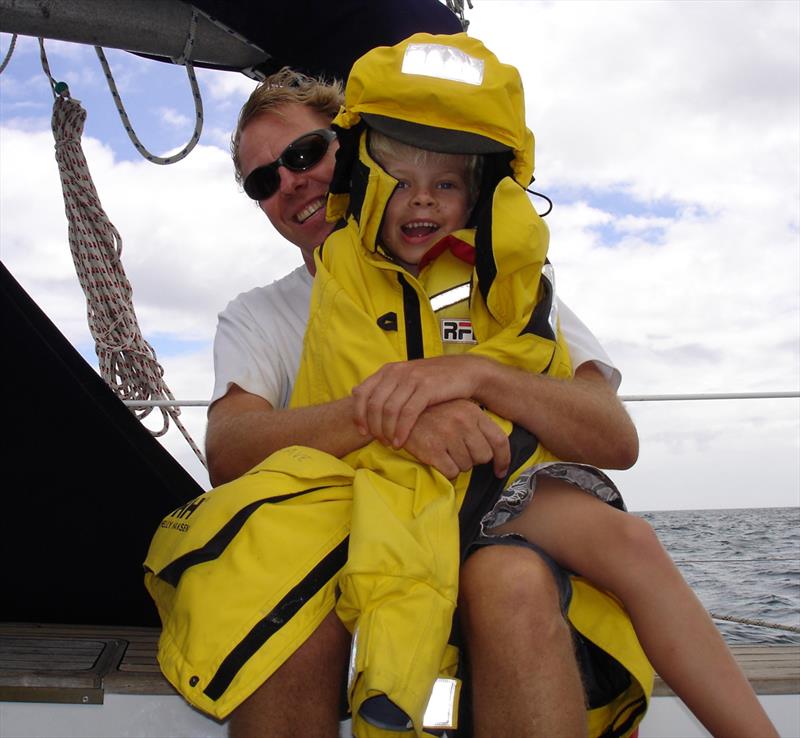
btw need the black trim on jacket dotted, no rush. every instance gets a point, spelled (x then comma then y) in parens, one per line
(413, 322)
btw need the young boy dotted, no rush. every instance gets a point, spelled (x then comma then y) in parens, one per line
(376, 301)
(406, 278)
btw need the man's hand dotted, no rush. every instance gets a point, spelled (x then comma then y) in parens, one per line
(578, 420)
(389, 403)
(456, 435)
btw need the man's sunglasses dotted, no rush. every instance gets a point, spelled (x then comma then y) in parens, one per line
(299, 156)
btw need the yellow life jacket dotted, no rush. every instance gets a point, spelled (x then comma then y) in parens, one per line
(402, 568)
(399, 584)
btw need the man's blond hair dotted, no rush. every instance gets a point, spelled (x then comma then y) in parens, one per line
(283, 88)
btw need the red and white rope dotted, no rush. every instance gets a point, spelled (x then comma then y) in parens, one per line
(127, 361)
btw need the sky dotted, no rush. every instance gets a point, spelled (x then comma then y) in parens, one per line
(668, 135)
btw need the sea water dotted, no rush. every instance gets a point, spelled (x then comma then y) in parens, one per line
(741, 563)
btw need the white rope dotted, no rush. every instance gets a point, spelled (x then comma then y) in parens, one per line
(755, 621)
(127, 362)
(198, 101)
(46, 67)
(10, 51)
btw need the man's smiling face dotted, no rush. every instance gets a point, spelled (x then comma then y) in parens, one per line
(297, 209)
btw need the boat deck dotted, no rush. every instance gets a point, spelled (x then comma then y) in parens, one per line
(79, 664)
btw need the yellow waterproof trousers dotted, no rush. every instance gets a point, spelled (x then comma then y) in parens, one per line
(245, 573)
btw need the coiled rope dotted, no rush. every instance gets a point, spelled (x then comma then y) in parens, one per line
(183, 60)
(127, 362)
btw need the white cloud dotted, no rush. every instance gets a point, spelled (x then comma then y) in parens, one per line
(190, 240)
(220, 137)
(714, 454)
(685, 107)
(173, 118)
(689, 87)
(225, 87)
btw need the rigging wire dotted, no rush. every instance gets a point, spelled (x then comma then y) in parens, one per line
(623, 398)
(126, 360)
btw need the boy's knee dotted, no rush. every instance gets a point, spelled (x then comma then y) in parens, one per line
(509, 579)
(638, 538)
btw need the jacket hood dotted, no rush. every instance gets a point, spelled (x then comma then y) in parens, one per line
(445, 93)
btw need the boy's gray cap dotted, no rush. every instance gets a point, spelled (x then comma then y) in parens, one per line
(442, 140)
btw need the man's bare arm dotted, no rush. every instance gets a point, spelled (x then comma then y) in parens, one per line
(578, 420)
(243, 429)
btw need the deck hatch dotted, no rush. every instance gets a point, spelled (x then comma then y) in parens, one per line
(61, 670)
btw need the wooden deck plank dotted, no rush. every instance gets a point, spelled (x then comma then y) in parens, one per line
(772, 669)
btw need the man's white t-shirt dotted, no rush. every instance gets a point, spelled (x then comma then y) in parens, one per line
(260, 338)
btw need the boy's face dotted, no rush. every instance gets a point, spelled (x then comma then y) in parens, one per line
(430, 202)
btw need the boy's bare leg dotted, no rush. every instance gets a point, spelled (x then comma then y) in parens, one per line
(621, 553)
(302, 698)
(525, 680)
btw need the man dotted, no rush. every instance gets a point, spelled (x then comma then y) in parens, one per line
(256, 353)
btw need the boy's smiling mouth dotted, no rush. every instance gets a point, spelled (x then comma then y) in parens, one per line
(419, 230)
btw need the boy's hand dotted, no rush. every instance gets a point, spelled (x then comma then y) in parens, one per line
(454, 436)
(389, 402)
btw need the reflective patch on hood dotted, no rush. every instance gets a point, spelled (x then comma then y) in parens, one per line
(442, 62)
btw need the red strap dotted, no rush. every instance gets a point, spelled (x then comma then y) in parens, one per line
(459, 248)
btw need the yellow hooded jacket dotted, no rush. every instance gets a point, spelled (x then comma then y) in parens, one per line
(399, 585)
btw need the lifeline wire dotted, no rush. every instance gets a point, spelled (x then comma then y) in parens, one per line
(127, 362)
